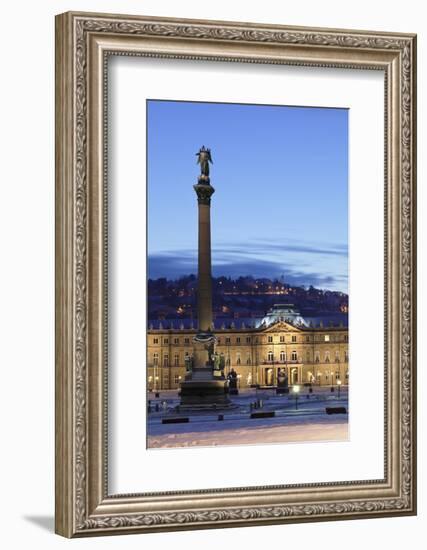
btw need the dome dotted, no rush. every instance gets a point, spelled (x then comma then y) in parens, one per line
(283, 312)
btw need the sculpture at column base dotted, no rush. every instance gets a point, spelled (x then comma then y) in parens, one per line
(205, 386)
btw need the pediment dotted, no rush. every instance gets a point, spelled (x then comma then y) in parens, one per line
(282, 326)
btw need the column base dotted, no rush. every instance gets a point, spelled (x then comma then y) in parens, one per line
(203, 391)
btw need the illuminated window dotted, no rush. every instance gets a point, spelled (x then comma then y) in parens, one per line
(294, 356)
(270, 357)
(282, 356)
(326, 337)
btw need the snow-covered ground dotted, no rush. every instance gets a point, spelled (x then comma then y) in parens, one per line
(307, 423)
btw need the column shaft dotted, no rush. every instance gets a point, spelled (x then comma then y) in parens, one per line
(204, 269)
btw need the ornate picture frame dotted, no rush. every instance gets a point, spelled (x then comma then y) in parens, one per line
(84, 42)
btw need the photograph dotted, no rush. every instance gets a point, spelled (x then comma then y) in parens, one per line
(247, 274)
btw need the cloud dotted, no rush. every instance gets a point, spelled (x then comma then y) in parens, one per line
(259, 259)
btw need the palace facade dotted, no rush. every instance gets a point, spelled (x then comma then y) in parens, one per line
(310, 350)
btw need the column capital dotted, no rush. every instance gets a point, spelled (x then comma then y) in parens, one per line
(204, 193)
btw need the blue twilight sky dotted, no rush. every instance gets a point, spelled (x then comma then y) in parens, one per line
(281, 202)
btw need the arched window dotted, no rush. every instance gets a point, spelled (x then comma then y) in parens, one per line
(294, 356)
(282, 356)
(238, 360)
(327, 357)
(166, 360)
(155, 359)
(270, 357)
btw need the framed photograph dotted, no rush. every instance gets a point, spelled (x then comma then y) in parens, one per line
(235, 274)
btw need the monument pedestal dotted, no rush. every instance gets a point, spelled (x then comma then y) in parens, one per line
(204, 392)
(204, 388)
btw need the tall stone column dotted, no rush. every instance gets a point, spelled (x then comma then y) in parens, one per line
(204, 386)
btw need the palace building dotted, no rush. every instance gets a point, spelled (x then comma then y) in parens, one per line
(310, 349)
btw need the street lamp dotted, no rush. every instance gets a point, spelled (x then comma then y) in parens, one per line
(339, 388)
(295, 389)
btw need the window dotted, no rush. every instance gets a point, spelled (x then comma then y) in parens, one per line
(218, 341)
(227, 361)
(294, 356)
(227, 340)
(248, 339)
(346, 356)
(186, 341)
(176, 360)
(345, 337)
(294, 338)
(166, 360)
(337, 356)
(307, 356)
(327, 357)
(166, 340)
(238, 340)
(317, 356)
(155, 359)
(270, 339)
(176, 340)
(155, 340)
(282, 356)
(307, 338)
(282, 339)
(248, 359)
(238, 360)
(270, 357)
(177, 378)
(327, 338)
